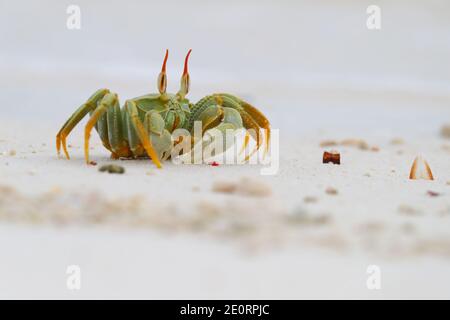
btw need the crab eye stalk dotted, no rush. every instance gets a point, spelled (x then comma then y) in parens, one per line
(185, 81)
(162, 78)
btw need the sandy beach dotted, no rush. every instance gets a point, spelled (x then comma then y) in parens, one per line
(380, 98)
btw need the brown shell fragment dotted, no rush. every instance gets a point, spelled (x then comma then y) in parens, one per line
(420, 170)
(328, 143)
(331, 191)
(357, 143)
(224, 187)
(331, 156)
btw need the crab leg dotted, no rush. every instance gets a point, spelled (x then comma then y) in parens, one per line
(108, 101)
(160, 137)
(76, 117)
(246, 142)
(262, 122)
(131, 110)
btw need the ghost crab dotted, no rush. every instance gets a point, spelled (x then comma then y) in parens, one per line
(143, 125)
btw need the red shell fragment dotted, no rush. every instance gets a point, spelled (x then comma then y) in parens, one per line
(332, 156)
(433, 193)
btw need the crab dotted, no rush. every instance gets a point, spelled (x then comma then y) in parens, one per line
(142, 127)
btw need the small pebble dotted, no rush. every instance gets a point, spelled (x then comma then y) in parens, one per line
(408, 210)
(331, 191)
(408, 228)
(445, 131)
(397, 141)
(12, 153)
(357, 143)
(302, 216)
(310, 199)
(328, 143)
(245, 187)
(224, 187)
(445, 211)
(112, 168)
(253, 187)
(433, 193)
(208, 210)
(372, 227)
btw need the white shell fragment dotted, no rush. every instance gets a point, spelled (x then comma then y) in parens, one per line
(420, 170)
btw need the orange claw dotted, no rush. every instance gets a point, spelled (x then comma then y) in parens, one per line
(162, 78)
(163, 69)
(186, 60)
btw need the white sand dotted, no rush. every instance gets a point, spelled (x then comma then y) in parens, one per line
(181, 239)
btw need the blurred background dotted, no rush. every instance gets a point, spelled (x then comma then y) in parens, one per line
(312, 56)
